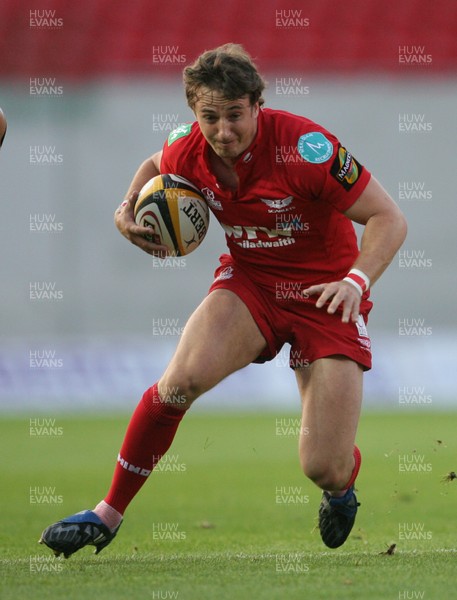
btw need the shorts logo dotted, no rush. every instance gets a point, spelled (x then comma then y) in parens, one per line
(179, 132)
(363, 339)
(226, 273)
(314, 147)
(361, 327)
(345, 169)
(211, 199)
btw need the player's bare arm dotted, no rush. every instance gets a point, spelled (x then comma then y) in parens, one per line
(385, 229)
(123, 216)
(384, 233)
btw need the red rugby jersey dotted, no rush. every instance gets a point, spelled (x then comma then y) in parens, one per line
(285, 221)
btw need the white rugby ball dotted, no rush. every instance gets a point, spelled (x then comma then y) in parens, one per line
(175, 211)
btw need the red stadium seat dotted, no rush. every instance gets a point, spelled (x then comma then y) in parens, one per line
(99, 37)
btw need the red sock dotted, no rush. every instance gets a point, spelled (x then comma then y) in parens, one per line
(356, 469)
(149, 435)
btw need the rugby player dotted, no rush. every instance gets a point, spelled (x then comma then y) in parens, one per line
(286, 193)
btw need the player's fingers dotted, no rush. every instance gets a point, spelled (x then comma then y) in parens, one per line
(314, 289)
(351, 306)
(322, 299)
(347, 311)
(355, 309)
(321, 289)
(350, 313)
(138, 230)
(143, 240)
(355, 312)
(330, 289)
(150, 248)
(338, 298)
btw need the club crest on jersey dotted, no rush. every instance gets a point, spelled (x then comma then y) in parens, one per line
(210, 197)
(279, 204)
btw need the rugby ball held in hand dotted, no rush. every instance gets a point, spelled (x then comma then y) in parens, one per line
(175, 211)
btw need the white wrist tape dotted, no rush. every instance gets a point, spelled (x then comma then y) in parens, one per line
(358, 279)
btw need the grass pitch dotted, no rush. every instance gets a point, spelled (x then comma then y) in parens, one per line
(230, 516)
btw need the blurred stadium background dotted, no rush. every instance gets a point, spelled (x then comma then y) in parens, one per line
(91, 88)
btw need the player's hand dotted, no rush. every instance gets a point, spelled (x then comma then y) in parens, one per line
(125, 222)
(342, 293)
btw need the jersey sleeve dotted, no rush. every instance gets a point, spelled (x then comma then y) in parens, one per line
(332, 173)
(174, 148)
(168, 162)
(345, 179)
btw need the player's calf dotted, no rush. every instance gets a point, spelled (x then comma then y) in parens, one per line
(331, 475)
(178, 391)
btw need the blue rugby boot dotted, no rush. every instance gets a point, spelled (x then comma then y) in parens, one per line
(337, 517)
(73, 533)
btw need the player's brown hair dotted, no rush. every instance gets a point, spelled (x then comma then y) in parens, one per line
(227, 69)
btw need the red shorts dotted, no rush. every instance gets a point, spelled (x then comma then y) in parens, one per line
(284, 316)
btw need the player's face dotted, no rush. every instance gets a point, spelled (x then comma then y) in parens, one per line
(229, 126)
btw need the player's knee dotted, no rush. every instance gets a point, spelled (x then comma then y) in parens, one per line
(180, 390)
(328, 475)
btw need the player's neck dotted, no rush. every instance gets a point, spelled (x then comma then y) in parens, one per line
(224, 170)
(225, 162)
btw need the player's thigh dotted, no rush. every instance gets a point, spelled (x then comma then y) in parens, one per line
(220, 337)
(331, 394)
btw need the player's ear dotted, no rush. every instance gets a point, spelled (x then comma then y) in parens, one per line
(255, 109)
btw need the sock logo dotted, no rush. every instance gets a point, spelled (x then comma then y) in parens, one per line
(132, 468)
